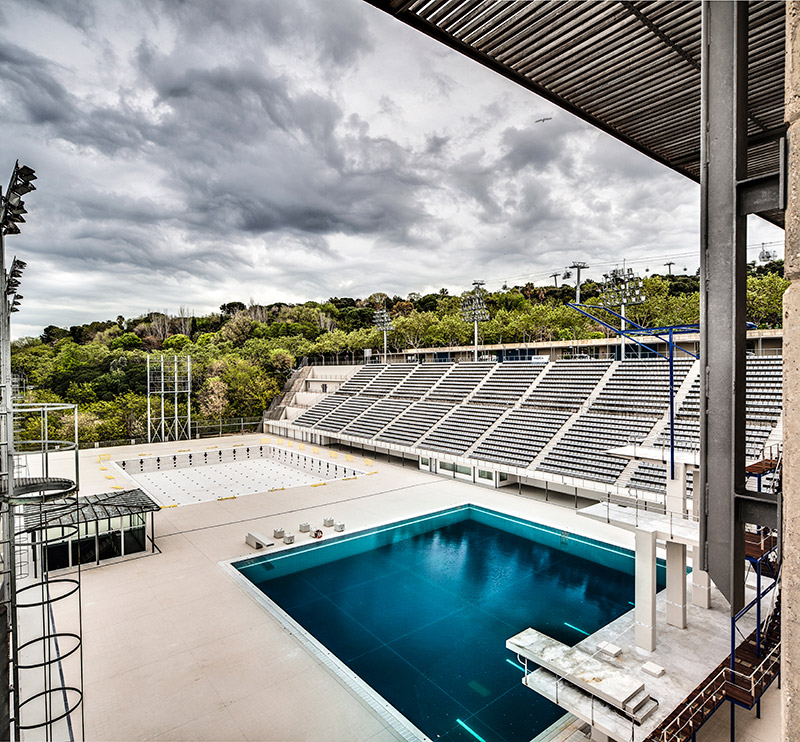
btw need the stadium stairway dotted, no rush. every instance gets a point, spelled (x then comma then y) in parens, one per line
(486, 433)
(438, 383)
(574, 417)
(662, 427)
(517, 406)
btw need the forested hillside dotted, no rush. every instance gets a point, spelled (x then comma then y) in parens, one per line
(242, 354)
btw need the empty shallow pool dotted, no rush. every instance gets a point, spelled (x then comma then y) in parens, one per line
(420, 610)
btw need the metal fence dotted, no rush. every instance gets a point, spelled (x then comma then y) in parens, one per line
(200, 429)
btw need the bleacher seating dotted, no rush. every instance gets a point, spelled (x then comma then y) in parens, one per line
(320, 409)
(640, 386)
(420, 381)
(520, 436)
(380, 415)
(508, 383)
(461, 428)
(361, 378)
(653, 478)
(414, 423)
(567, 384)
(384, 383)
(764, 390)
(581, 452)
(448, 408)
(764, 385)
(343, 414)
(461, 381)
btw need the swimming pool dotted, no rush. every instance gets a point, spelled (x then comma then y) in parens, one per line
(420, 610)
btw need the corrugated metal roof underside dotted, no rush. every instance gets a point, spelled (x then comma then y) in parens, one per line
(629, 68)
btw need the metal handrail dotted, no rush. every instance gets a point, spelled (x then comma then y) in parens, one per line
(722, 677)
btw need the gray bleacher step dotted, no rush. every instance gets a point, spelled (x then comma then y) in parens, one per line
(534, 384)
(486, 433)
(438, 381)
(540, 457)
(481, 383)
(680, 396)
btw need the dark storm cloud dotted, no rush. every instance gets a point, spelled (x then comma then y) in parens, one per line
(209, 151)
(78, 13)
(338, 32)
(31, 91)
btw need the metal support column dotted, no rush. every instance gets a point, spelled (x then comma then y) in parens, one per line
(723, 263)
(672, 407)
(149, 425)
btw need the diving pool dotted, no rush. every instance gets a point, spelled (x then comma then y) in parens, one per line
(421, 609)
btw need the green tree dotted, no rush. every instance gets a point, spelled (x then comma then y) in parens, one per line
(237, 330)
(126, 341)
(176, 343)
(765, 299)
(213, 398)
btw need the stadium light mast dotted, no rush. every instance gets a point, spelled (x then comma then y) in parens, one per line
(473, 309)
(12, 209)
(622, 288)
(383, 322)
(578, 266)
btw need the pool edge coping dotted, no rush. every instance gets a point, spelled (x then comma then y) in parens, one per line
(369, 697)
(365, 693)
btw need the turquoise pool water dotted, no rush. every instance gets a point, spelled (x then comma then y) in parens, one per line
(421, 610)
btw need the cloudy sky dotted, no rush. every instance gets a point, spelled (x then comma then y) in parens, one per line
(193, 153)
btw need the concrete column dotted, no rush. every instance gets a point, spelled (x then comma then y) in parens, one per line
(696, 498)
(701, 582)
(676, 584)
(790, 604)
(676, 490)
(645, 583)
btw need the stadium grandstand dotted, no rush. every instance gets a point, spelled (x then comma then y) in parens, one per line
(537, 421)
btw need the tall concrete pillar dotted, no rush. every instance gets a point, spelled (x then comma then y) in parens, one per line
(701, 582)
(676, 584)
(645, 587)
(676, 490)
(790, 605)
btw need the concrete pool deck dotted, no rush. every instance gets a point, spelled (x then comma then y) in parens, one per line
(174, 649)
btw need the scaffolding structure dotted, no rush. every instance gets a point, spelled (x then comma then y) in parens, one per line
(169, 377)
(45, 611)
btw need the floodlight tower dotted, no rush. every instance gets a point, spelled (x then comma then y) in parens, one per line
(383, 322)
(578, 266)
(622, 288)
(12, 209)
(473, 309)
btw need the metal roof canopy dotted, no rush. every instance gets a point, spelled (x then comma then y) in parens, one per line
(631, 69)
(89, 508)
(698, 86)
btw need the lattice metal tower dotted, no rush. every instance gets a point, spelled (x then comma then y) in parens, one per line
(169, 376)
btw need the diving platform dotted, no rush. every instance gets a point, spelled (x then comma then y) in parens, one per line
(589, 686)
